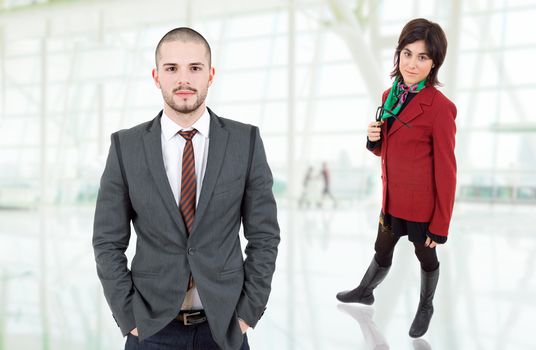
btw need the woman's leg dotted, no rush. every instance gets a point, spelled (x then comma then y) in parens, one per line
(385, 246)
(429, 278)
(427, 257)
(376, 272)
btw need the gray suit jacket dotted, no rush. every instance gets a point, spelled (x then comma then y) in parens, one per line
(134, 189)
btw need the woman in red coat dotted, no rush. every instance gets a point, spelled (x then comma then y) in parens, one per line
(414, 134)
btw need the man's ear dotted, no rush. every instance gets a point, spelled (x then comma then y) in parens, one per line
(211, 75)
(155, 78)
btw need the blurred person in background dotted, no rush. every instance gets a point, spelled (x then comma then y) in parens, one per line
(305, 197)
(325, 174)
(414, 134)
(186, 181)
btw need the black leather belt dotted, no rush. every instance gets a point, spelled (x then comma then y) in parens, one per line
(191, 317)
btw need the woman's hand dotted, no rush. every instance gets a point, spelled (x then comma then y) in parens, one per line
(374, 131)
(430, 243)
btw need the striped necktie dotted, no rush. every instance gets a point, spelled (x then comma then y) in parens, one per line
(188, 182)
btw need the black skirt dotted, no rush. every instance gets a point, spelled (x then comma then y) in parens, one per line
(416, 231)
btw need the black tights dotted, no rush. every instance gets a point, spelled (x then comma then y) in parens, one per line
(385, 246)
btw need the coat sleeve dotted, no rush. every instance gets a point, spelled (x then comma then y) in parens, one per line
(259, 218)
(443, 134)
(375, 147)
(111, 235)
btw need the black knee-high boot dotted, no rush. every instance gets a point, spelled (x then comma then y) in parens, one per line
(426, 308)
(363, 293)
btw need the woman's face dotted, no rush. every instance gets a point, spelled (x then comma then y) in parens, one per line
(414, 63)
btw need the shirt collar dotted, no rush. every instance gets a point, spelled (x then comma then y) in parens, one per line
(170, 128)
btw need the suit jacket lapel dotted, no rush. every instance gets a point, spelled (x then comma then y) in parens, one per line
(155, 161)
(218, 137)
(414, 109)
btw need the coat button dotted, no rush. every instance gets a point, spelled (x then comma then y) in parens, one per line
(191, 251)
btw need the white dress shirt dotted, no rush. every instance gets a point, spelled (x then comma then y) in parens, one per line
(172, 148)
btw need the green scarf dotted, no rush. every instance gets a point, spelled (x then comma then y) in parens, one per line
(397, 96)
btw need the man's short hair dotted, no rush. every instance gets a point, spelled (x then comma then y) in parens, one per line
(183, 34)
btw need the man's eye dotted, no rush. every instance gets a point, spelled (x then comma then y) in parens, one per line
(196, 68)
(171, 69)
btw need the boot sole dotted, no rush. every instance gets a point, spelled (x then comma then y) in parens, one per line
(368, 301)
(417, 335)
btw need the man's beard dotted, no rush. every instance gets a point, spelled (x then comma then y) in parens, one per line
(184, 109)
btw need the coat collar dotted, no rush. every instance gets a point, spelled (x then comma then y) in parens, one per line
(216, 154)
(155, 162)
(414, 108)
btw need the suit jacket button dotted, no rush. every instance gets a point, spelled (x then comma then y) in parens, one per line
(191, 251)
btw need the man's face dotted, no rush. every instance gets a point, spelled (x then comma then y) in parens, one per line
(184, 75)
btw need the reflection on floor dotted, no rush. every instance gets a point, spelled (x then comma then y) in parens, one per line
(50, 297)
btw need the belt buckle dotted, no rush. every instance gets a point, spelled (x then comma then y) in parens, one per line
(186, 315)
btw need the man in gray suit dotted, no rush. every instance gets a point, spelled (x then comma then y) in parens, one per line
(186, 180)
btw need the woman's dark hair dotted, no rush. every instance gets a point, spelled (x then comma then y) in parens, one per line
(434, 40)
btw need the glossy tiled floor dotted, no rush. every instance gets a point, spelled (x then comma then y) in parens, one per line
(485, 297)
(50, 296)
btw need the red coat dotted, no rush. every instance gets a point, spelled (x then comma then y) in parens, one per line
(418, 163)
